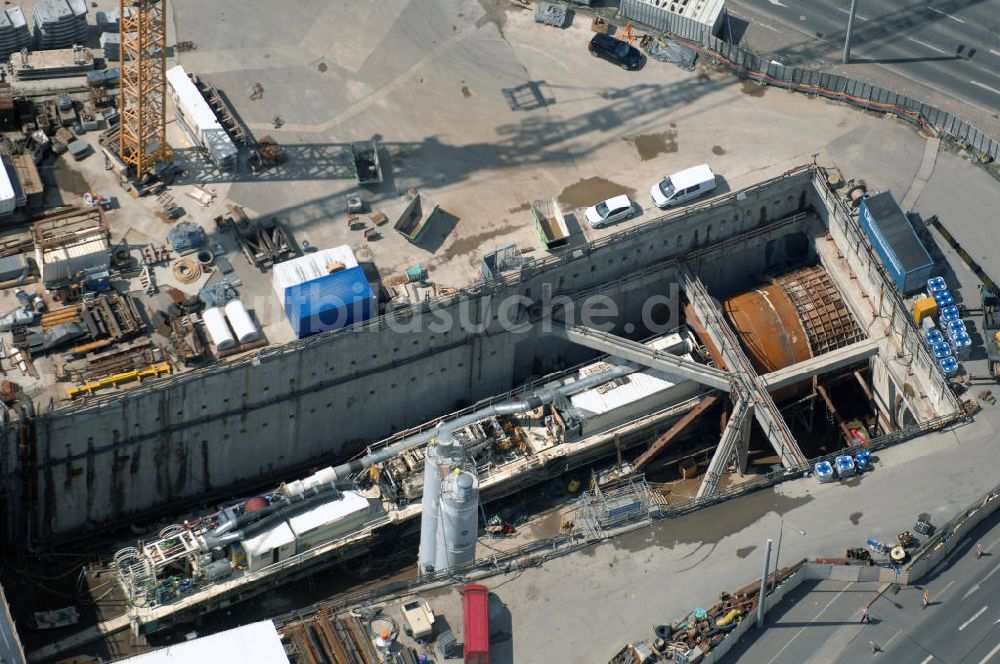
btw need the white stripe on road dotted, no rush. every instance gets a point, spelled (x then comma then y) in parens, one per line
(991, 653)
(929, 658)
(985, 87)
(948, 585)
(857, 16)
(765, 25)
(926, 45)
(811, 620)
(954, 18)
(992, 572)
(969, 621)
(970, 591)
(994, 52)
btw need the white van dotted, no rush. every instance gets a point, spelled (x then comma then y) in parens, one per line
(683, 186)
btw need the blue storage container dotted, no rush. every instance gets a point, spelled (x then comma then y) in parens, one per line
(330, 302)
(963, 344)
(949, 314)
(936, 284)
(933, 336)
(943, 298)
(824, 472)
(955, 327)
(904, 256)
(844, 465)
(949, 366)
(941, 350)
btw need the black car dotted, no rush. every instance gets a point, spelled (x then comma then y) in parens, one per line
(617, 51)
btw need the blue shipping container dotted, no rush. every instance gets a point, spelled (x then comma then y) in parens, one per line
(904, 256)
(330, 302)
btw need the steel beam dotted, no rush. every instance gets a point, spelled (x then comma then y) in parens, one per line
(736, 430)
(764, 408)
(633, 351)
(826, 363)
(671, 433)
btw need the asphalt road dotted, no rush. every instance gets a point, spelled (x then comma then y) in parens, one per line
(819, 623)
(952, 46)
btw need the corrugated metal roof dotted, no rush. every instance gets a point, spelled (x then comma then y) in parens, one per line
(76, 250)
(311, 266)
(257, 642)
(628, 389)
(350, 503)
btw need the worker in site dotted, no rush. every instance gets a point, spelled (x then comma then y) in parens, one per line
(925, 599)
(865, 618)
(979, 550)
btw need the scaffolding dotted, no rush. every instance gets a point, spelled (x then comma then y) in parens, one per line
(615, 504)
(143, 53)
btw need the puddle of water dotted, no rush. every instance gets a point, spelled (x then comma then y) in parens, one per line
(718, 150)
(466, 92)
(463, 245)
(650, 145)
(752, 89)
(321, 67)
(855, 517)
(745, 551)
(69, 180)
(523, 207)
(590, 191)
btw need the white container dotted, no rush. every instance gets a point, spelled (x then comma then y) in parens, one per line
(218, 330)
(241, 322)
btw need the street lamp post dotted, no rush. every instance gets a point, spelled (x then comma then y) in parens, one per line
(763, 584)
(850, 32)
(777, 551)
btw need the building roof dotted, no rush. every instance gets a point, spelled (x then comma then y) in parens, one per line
(268, 540)
(257, 642)
(192, 102)
(631, 388)
(309, 267)
(349, 504)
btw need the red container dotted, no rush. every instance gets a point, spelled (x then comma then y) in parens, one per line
(476, 627)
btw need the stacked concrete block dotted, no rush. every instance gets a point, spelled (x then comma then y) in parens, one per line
(60, 23)
(14, 34)
(110, 21)
(111, 45)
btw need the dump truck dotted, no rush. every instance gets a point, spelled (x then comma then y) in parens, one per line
(364, 156)
(990, 303)
(551, 224)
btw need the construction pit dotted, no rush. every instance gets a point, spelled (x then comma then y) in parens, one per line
(777, 249)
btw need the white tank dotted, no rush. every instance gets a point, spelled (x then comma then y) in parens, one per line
(241, 322)
(459, 520)
(297, 488)
(218, 330)
(429, 515)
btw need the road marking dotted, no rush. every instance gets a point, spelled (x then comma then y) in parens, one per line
(969, 621)
(926, 45)
(991, 653)
(938, 11)
(811, 620)
(929, 658)
(948, 585)
(992, 572)
(994, 52)
(779, 3)
(970, 591)
(846, 11)
(985, 87)
(765, 25)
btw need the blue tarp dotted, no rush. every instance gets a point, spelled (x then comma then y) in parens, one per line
(330, 302)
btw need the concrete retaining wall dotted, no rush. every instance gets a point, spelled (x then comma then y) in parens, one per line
(257, 420)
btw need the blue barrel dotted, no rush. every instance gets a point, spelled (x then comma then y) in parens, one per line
(943, 298)
(936, 285)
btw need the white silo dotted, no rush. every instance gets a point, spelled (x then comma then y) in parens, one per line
(218, 330)
(434, 453)
(458, 525)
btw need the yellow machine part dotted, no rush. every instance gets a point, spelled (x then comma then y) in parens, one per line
(728, 618)
(923, 308)
(152, 371)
